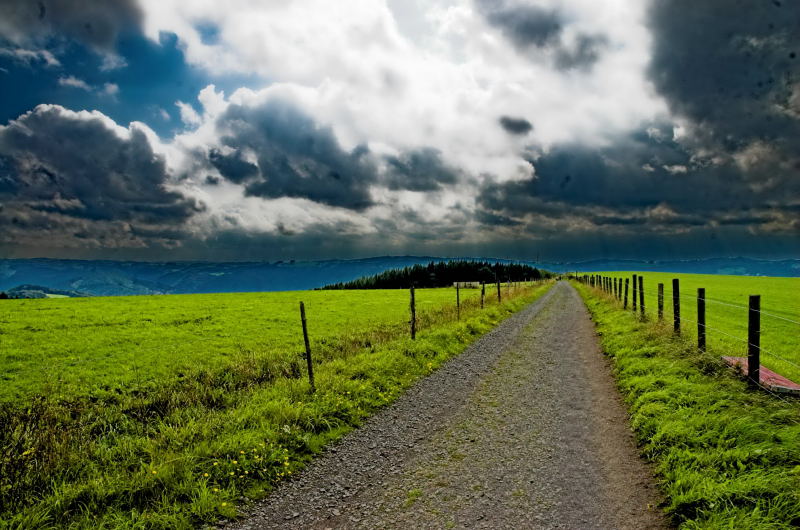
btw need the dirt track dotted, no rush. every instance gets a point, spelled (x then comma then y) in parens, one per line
(523, 430)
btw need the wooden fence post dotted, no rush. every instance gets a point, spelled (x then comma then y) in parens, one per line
(641, 296)
(676, 306)
(754, 341)
(458, 302)
(499, 297)
(701, 318)
(660, 302)
(413, 315)
(633, 301)
(308, 348)
(483, 293)
(625, 300)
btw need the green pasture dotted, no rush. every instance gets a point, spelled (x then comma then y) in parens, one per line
(727, 300)
(80, 346)
(174, 411)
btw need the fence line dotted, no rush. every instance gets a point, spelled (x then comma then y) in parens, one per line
(611, 286)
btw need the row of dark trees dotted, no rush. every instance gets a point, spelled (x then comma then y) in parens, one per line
(445, 273)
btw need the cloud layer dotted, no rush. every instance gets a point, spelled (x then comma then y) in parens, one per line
(467, 126)
(76, 178)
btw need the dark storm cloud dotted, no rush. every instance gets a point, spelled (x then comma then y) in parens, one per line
(420, 170)
(646, 178)
(493, 219)
(730, 67)
(523, 25)
(519, 126)
(533, 29)
(293, 157)
(232, 166)
(289, 155)
(584, 53)
(735, 82)
(62, 171)
(94, 22)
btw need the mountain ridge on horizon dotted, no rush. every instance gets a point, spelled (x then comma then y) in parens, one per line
(115, 278)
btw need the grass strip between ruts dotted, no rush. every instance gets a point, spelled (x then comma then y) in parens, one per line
(725, 456)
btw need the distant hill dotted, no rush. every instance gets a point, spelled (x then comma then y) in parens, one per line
(445, 273)
(112, 278)
(37, 291)
(732, 266)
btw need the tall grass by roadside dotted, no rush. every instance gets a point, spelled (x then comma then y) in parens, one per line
(191, 451)
(726, 456)
(727, 313)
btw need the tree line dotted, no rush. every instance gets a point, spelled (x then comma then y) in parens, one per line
(445, 273)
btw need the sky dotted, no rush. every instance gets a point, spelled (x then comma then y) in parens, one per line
(311, 129)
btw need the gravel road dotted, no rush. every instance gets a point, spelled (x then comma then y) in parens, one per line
(523, 430)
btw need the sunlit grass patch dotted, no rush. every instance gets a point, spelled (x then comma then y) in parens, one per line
(177, 451)
(726, 456)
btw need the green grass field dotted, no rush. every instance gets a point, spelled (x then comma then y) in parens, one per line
(726, 456)
(91, 346)
(726, 313)
(164, 412)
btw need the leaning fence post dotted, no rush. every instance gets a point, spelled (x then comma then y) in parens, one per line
(413, 315)
(458, 303)
(701, 318)
(754, 341)
(625, 301)
(660, 302)
(483, 293)
(308, 347)
(641, 295)
(676, 306)
(633, 301)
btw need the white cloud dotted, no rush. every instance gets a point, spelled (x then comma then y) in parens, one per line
(404, 75)
(30, 56)
(107, 89)
(444, 85)
(110, 89)
(189, 116)
(112, 62)
(74, 82)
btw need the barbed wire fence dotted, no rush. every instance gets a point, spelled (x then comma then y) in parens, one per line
(643, 298)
